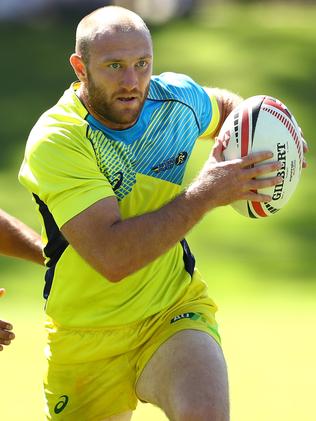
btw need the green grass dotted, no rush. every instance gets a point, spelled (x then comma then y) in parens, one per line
(261, 273)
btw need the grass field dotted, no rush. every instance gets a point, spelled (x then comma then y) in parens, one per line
(261, 273)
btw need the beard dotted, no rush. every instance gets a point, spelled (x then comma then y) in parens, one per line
(108, 108)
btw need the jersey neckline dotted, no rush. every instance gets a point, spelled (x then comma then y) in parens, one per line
(132, 133)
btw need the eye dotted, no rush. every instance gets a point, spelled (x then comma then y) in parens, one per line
(115, 66)
(142, 64)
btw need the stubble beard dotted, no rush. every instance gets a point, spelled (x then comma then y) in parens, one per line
(104, 108)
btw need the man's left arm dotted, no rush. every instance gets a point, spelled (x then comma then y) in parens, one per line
(223, 102)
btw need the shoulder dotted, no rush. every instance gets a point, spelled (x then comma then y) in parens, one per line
(57, 141)
(176, 86)
(63, 123)
(181, 88)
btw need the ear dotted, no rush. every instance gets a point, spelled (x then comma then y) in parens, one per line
(78, 66)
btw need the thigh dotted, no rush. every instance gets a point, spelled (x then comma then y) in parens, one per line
(86, 379)
(91, 391)
(187, 378)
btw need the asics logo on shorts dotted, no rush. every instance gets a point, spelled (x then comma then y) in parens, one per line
(61, 404)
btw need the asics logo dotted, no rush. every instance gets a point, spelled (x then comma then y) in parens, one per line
(117, 180)
(61, 404)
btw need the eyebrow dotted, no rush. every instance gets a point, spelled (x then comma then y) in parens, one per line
(118, 60)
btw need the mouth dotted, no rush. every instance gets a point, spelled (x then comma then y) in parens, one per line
(128, 99)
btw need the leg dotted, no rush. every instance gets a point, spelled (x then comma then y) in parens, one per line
(187, 378)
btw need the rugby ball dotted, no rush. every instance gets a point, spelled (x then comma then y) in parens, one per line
(263, 123)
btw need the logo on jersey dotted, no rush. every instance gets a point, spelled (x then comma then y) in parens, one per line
(171, 162)
(117, 180)
(61, 404)
(193, 316)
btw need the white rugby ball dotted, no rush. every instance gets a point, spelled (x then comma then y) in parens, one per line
(263, 123)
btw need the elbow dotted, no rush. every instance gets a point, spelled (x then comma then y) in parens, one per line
(112, 268)
(114, 274)
(114, 278)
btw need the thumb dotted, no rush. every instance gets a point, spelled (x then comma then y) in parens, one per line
(2, 292)
(217, 150)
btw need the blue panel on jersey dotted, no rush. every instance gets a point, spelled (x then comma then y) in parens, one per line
(133, 133)
(167, 145)
(159, 144)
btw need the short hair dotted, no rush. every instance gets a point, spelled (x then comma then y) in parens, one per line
(83, 47)
(105, 18)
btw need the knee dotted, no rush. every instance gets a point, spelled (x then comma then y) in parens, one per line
(205, 411)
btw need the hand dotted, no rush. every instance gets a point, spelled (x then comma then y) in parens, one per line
(5, 329)
(224, 182)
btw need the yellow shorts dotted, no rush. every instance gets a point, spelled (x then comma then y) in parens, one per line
(92, 372)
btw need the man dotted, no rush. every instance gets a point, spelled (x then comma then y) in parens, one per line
(129, 316)
(16, 240)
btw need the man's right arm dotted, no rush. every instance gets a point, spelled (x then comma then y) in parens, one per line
(117, 248)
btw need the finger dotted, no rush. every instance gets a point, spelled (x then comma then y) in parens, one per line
(256, 184)
(5, 342)
(217, 150)
(6, 336)
(255, 158)
(257, 197)
(262, 183)
(258, 170)
(305, 150)
(305, 145)
(5, 325)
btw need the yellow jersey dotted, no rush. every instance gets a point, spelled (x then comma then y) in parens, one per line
(72, 161)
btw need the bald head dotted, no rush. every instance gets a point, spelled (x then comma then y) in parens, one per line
(103, 21)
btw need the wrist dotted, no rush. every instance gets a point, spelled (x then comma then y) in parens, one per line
(198, 199)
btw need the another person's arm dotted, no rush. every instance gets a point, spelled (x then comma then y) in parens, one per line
(19, 240)
(6, 335)
(16, 240)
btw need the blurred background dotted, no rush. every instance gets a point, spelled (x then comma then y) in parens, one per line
(261, 273)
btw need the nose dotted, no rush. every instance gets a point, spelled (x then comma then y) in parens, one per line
(129, 79)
